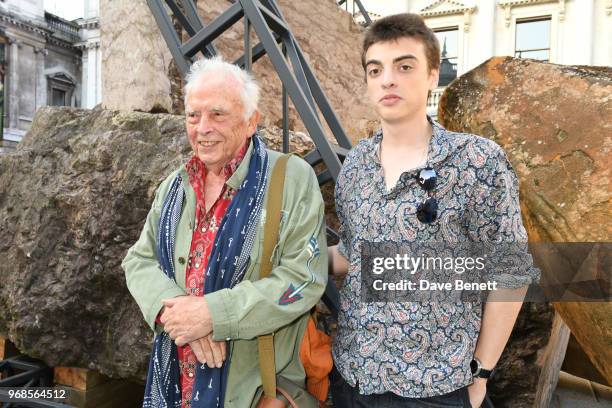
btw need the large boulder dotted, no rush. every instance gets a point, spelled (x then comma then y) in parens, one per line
(73, 198)
(555, 124)
(130, 38)
(326, 33)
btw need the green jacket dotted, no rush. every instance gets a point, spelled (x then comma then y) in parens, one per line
(251, 308)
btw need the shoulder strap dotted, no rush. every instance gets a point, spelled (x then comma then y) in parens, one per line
(267, 366)
(273, 214)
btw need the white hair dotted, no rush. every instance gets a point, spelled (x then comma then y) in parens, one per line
(207, 67)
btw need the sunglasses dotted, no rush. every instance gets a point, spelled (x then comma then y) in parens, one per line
(427, 211)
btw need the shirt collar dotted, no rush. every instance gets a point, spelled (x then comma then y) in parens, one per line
(438, 144)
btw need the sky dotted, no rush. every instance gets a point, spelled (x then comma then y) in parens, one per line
(67, 9)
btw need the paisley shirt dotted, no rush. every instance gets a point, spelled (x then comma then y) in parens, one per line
(422, 349)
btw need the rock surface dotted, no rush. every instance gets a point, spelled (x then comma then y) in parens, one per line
(513, 385)
(327, 35)
(555, 124)
(73, 199)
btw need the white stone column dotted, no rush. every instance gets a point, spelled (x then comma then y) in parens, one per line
(585, 16)
(84, 77)
(483, 23)
(13, 83)
(91, 76)
(41, 81)
(99, 74)
(91, 8)
(606, 28)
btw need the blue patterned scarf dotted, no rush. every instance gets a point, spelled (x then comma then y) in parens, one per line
(226, 267)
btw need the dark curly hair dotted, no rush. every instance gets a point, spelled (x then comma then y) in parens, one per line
(397, 26)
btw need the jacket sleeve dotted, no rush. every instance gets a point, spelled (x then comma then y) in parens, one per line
(298, 279)
(340, 194)
(145, 279)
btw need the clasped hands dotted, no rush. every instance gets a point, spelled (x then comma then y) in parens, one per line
(187, 320)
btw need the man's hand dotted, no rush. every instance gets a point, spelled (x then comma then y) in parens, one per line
(477, 392)
(208, 351)
(186, 318)
(338, 264)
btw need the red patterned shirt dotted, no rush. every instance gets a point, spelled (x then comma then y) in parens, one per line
(207, 225)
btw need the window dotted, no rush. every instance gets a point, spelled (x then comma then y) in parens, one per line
(60, 87)
(533, 39)
(449, 43)
(58, 98)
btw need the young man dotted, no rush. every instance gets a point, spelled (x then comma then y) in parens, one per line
(414, 181)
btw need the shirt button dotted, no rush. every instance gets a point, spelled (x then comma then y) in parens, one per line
(190, 374)
(181, 260)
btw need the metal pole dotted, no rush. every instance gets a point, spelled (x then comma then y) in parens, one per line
(285, 112)
(364, 13)
(169, 33)
(248, 56)
(309, 117)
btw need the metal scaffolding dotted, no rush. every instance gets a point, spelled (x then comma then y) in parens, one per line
(265, 18)
(23, 373)
(355, 12)
(298, 79)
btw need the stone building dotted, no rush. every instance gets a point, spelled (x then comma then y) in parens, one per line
(568, 32)
(45, 60)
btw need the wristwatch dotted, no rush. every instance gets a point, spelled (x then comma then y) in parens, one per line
(478, 371)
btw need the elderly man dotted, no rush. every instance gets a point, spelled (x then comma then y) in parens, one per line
(194, 269)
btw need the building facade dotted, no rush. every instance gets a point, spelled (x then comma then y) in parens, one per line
(45, 60)
(569, 32)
